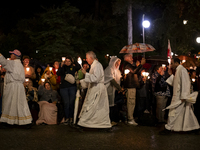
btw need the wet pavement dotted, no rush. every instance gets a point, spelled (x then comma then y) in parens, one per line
(123, 137)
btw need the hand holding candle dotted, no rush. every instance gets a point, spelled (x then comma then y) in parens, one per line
(50, 68)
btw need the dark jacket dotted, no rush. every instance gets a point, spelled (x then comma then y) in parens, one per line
(131, 79)
(62, 71)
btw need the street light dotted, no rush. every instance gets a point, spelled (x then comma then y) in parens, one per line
(145, 24)
(185, 21)
(198, 39)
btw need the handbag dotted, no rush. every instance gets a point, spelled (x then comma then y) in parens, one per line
(70, 78)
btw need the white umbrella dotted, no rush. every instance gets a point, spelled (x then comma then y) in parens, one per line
(76, 104)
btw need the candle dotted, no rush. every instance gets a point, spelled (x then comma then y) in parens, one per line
(56, 70)
(63, 58)
(145, 74)
(126, 71)
(163, 65)
(50, 68)
(43, 79)
(8, 58)
(27, 69)
(79, 61)
(27, 79)
(193, 80)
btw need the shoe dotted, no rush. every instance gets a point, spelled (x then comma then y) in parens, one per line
(71, 121)
(113, 123)
(165, 132)
(132, 122)
(66, 122)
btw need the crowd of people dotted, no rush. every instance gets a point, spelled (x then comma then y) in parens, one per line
(127, 91)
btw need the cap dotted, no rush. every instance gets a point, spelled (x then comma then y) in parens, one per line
(15, 52)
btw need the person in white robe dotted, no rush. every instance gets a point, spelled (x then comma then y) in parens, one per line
(15, 108)
(112, 82)
(181, 116)
(95, 109)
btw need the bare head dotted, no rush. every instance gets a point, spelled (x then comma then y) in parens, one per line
(128, 58)
(90, 57)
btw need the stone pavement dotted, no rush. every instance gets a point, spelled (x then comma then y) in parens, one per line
(123, 137)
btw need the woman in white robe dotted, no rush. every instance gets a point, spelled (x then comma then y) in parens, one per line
(15, 108)
(112, 82)
(95, 110)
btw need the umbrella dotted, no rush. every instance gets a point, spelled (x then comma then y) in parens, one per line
(76, 104)
(137, 48)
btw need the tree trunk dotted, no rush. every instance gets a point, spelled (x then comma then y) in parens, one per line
(130, 28)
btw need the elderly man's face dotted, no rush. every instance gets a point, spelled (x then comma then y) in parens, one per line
(89, 59)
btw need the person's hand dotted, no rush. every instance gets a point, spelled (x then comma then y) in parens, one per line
(170, 71)
(62, 63)
(182, 100)
(27, 76)
(143, 61)
(83, 70)
(42, 83)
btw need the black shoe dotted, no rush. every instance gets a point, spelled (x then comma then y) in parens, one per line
(165, 132)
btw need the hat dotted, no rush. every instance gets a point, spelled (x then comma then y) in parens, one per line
(15, 52)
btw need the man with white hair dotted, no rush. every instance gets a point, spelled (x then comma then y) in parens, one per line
(131, 83)
(95, 110)
(15, 108)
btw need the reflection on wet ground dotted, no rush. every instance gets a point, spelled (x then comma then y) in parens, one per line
(123, 137)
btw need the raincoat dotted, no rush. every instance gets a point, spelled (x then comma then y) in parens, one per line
(111, 72)
(181, 116)
(95, 110)
(15, 108)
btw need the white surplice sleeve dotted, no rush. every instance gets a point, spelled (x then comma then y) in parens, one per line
(7, 64)
(185, 84)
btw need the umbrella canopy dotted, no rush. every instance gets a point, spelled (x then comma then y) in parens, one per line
(137, 48)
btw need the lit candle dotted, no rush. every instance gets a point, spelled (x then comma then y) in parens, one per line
(27, 69)
(43, 79)
(63, 58)
(27, 79)
(183, 61)
(193, 80)
(79, 61)
(145, 74)
(163, 65)
(50, 68)
(56, 70)
(126, 71)
(8, 58)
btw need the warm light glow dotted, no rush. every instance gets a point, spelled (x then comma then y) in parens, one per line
(56, 70)
(163, 65)
(145, 74)
(193, 80)
(79, 60)
(183, 61)
(8, 58)
(27, 79)
(169, 61)
(185, 21)
(50, 68)
(42, 79)
(107, 55)
(27, 69)
(198, 39)
(126, 71)
(146, 24)
(63, 58)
